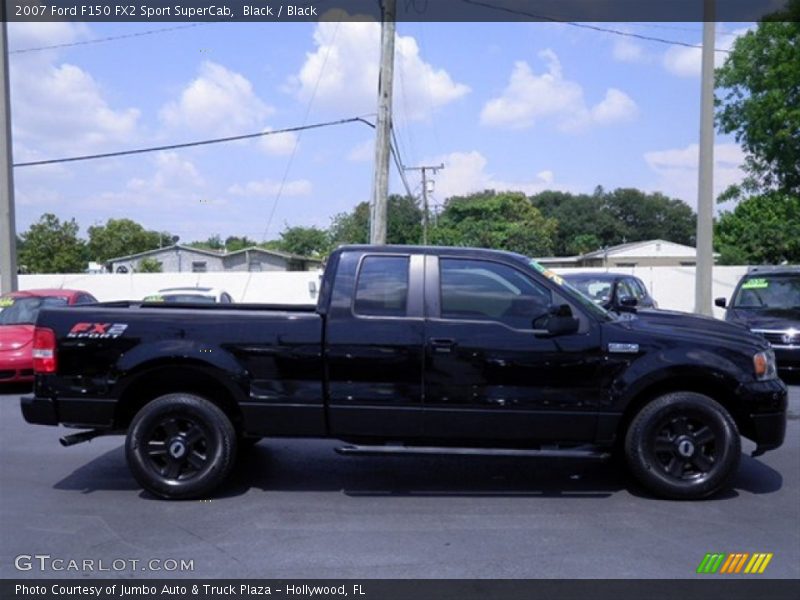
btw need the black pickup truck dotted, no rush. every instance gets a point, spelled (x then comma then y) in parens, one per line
(413, 350)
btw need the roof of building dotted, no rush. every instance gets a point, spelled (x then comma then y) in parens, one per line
(214, 253)
(626, 248)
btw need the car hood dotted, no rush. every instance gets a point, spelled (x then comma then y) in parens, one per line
(773, 318)
(690, 326)
(14, 337)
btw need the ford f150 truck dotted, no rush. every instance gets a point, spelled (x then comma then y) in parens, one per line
(412, 350)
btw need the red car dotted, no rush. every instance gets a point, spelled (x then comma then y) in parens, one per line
(18, 312)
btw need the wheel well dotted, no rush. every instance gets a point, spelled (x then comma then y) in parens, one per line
(152, 383)
(714, 389)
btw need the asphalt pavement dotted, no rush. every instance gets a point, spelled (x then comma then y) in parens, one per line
(295, 509)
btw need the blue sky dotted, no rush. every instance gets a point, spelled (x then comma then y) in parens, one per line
(526, 106)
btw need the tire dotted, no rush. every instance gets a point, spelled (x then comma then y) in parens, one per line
(180, 446)
(683, 446)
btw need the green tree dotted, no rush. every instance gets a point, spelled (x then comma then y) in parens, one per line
(404, 225)
(234, 243)
(304, 241)
(50, 246)
(149, 265)
(579, 216)
(121, 237)
(651, 216)
(588, 222)
(212, 243)
(759, 103)
(760, 230)
(505, 221)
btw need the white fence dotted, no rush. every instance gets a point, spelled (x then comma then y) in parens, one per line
(672, 287)
(299, 287)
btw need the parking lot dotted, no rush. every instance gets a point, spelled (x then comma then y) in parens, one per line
(296, 509)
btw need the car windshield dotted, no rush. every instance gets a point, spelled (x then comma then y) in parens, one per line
(595, 289)
(574, 293)
(22, 311)
(769, 291)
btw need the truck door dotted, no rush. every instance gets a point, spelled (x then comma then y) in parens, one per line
(489, 375)
(374, 346)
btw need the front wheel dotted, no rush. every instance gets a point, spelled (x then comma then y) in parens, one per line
(683, 445)
(180, 446)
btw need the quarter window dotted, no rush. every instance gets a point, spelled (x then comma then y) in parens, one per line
(482, 290)
(382, 288)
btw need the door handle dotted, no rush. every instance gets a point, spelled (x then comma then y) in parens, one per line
(442, 345)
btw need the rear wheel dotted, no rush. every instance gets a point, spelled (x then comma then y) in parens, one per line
(180, 446)
(683, 445)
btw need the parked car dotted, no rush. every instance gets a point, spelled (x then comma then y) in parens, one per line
(412, 350)
(613, 291)
(183, 295)
(18, 312)
(767, 301)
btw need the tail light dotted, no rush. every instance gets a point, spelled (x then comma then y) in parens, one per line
(44, 350)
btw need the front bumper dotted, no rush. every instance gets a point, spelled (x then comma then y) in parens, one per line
(762, 414)
(787, 357)
(96, 413)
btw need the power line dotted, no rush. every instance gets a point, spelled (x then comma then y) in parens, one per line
(207, 142)
(106, 39)
(297, 138)
(399, 163)
(648, 38)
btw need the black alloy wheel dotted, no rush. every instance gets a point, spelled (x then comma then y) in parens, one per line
(180, 446)
(683, 445)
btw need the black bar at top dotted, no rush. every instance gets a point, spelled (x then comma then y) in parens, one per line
(407, 10)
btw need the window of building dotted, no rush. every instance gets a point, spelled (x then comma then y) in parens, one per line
(382, 288)
(199, 266)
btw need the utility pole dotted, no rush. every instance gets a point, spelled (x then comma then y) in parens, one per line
(8, 234)
(705, 180)
(383, 126)
(424, 170)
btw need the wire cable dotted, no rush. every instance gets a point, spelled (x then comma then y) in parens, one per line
(648, 38)
(207, 142)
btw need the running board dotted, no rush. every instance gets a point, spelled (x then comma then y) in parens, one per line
(448, 451)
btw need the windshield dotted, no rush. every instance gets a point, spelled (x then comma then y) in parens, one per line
(21, 311)
(769, 291)
(596, 290)
(574, 293)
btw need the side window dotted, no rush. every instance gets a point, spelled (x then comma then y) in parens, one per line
(85, 299)
(382, 288)
(482, 290)
(225, 298)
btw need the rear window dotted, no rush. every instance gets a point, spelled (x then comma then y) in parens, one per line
(382, 288)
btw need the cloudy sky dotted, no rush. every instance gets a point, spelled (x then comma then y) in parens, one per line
(525, 106)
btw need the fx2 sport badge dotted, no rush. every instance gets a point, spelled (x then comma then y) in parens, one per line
(101, 331)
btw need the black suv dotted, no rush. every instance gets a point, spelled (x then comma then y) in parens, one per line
(767, 301)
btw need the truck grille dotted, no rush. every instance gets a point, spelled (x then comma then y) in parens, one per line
(780, 338)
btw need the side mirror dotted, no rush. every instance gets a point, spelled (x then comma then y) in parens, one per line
(628, 301)
(721, 302)
(559, 321)
(562, 325)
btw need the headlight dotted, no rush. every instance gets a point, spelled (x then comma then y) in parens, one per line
(764, 365)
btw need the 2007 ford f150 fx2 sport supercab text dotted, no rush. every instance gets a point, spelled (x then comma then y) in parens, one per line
(412, 350)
